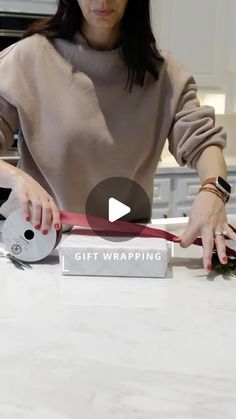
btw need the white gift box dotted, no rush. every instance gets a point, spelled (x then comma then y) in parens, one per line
(93, 255)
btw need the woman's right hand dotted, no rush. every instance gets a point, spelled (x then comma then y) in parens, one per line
(37, 205)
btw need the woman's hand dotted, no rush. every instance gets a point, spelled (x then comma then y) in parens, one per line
(207, 217)
(37, 205)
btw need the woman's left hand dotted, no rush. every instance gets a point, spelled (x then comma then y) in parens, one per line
(207, 217)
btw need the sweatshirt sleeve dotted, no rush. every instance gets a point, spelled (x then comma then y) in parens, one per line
(193, 128)
(9, 119)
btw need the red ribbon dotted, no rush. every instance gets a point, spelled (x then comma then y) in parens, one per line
(104, 227)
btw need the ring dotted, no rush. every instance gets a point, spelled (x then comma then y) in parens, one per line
(220, 233)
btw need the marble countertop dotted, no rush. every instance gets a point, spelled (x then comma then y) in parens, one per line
(122, 348)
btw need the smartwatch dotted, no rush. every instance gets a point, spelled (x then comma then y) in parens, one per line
(219, 183)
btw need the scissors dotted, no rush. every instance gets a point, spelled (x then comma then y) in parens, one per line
(16, 262)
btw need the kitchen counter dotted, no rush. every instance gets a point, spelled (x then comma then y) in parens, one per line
(10, 156)
(122, 348)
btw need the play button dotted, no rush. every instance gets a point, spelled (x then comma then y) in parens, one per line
(117, 199)
(117, 210)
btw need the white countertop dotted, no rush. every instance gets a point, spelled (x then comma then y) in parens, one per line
(122, 348)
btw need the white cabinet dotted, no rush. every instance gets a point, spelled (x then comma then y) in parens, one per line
(162, 197)
(197, 33)
(186, 189)
(29, 6)
(174, 193)
(231, 86)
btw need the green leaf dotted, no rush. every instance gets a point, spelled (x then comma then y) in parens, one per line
(228, 269)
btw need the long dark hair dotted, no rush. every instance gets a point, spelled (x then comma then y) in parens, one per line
(138, 42)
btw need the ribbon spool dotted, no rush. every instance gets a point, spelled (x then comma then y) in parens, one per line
(26, 243)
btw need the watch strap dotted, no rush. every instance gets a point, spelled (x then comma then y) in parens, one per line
(216, 191)
(213, 181)
(209, 181)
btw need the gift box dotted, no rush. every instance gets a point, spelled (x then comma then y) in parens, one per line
(94, 255)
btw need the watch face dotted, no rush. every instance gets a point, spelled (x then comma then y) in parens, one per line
(225, 185)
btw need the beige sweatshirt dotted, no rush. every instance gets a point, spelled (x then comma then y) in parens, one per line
(79, 125)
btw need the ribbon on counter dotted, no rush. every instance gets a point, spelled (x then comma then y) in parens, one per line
(123, 228)
(29, 245)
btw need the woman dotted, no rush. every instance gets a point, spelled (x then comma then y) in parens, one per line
(94, 98)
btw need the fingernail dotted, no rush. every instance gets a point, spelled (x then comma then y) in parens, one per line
(225, 259)
(209, 268)
(45, 232)
(37, 227)
(27, 218)
(56, 226)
